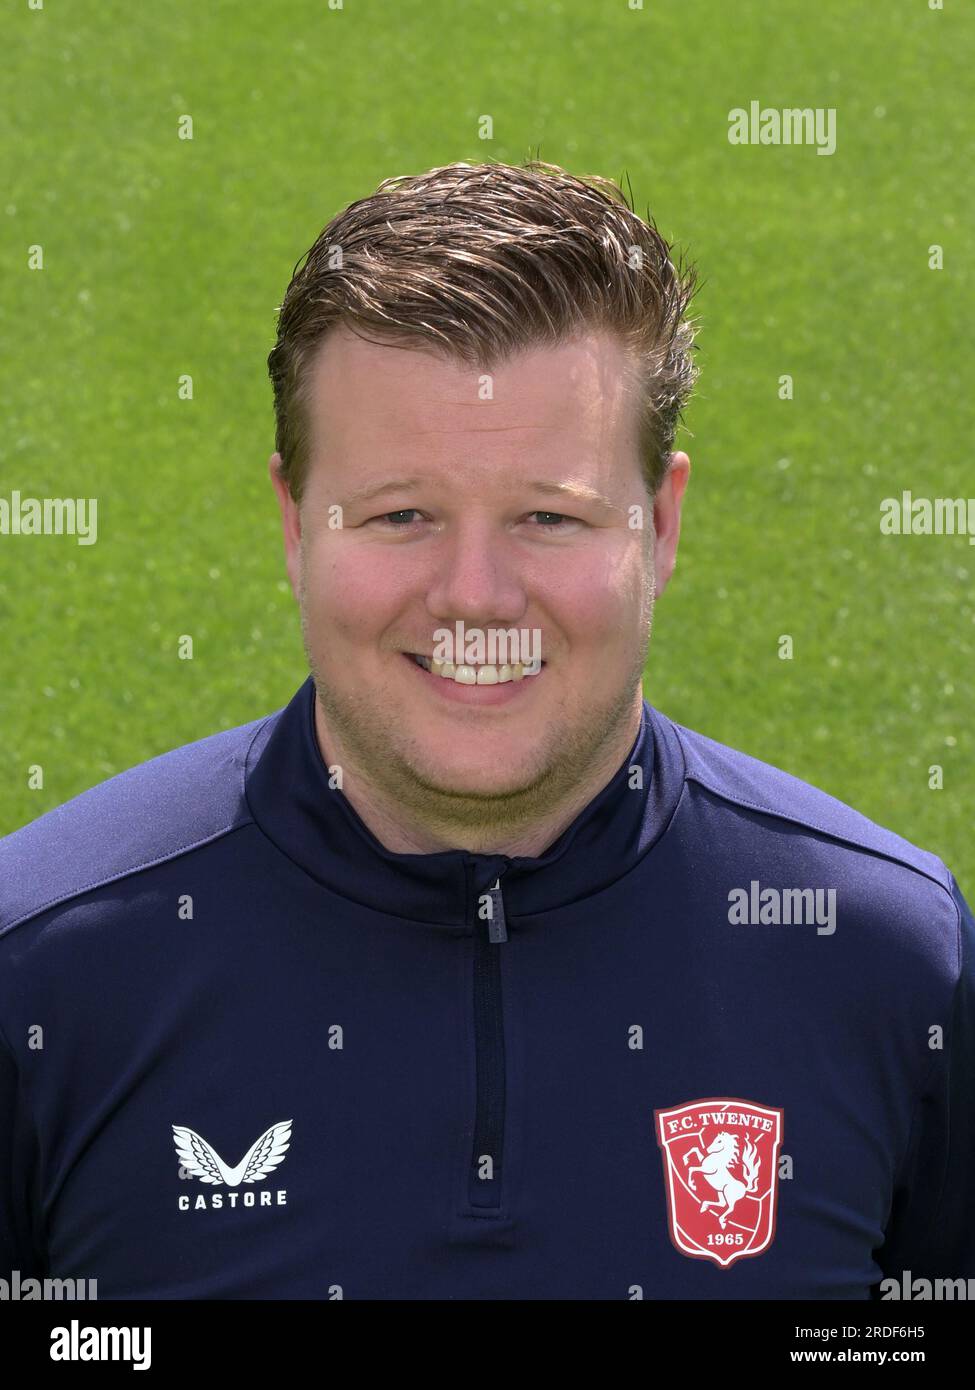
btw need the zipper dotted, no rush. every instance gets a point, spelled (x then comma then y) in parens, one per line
(490, 932)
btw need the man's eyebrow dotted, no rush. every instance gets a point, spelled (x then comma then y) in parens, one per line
(363, 494)
(580, 491)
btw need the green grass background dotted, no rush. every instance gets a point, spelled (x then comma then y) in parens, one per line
(165, 256)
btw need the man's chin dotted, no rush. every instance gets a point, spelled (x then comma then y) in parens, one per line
(461, 782)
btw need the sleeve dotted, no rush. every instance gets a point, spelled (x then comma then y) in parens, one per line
(18, 1154)
(931, 1229)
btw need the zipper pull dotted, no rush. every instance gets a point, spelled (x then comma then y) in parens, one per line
(497, 926)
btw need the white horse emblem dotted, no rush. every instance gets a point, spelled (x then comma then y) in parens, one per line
(722, 1156)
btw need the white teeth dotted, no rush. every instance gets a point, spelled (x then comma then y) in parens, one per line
(478, 675)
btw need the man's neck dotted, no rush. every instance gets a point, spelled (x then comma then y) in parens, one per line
(402, 833)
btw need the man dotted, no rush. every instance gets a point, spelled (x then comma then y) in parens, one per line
(469, 974)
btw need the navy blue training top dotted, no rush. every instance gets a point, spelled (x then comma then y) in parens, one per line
(717, 1041)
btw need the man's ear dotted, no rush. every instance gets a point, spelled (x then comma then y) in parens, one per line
(290, 524)
(666, 518)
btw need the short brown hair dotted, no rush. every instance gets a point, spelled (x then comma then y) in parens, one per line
(483, 261)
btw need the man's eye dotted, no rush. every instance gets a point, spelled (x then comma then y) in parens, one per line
(547, 521)
(390, 517)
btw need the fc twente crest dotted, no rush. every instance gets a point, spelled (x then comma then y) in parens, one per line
(720, 1160)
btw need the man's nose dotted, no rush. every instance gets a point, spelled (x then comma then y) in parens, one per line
(475, 577)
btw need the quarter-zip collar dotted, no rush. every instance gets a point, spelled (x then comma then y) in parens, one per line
(289, 794)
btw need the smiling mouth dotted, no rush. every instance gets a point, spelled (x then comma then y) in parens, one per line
(484, 674)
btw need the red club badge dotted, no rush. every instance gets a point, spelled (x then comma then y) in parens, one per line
(721, 1166)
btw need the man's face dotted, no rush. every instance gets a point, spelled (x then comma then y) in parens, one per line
(465, 524)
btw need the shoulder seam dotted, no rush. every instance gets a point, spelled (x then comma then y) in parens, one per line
(95, 883)
(735, 799)
(123, 873)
